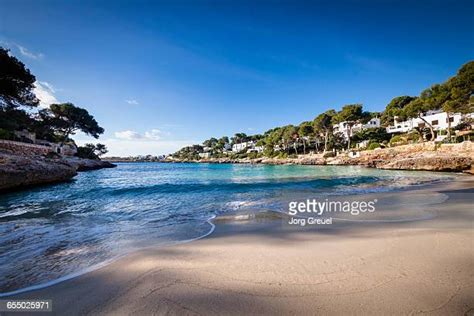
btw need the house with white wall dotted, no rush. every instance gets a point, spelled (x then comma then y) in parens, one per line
(241, 146)
(438, 119)
(344, 130)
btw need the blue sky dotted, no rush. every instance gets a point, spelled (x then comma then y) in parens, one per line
(158, 75)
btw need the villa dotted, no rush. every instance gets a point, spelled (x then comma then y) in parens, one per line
(241, 146)
(438, 119)
(344, 130)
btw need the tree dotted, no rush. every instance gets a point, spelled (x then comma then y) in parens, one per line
(290, 134)
(100, 149)
(417, 108)
(323, 123)
(16, 82)
(91, 151)
(305, 131)
(239, 138)
(378, 135)
(351, 114)
(395, 109)
(210, 142)
(461, 90)
(66, 119)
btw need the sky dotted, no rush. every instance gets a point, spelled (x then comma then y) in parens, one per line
(159, 75)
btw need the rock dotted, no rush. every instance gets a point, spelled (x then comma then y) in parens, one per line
(436, 163)
(88, 164)
(23, 171)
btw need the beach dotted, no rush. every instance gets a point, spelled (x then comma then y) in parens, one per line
(264, 266)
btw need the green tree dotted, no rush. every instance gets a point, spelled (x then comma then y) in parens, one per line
(211, 143)
(66, 119)
(290, 135)
(305, 130)
(323, 124)
(378, 135)
(16, 90)
(91, 151)
(395, 109)
(239, 138)
(461, 91)
(417, 108)
(351, 114)
(16, 82)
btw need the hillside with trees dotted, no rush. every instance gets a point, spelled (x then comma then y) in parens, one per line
(318, 135)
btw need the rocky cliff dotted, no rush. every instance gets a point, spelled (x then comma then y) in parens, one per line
(23, 171)
(20, 171)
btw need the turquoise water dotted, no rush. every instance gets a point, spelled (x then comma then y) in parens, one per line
(54, 231)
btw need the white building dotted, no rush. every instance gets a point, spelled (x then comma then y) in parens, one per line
(256, 149)
(344, 130)
(241, 146)
(205, 155)
(438, 119)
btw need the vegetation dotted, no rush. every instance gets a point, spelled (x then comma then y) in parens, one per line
(18, 110)
(91, 151)
(453, 96)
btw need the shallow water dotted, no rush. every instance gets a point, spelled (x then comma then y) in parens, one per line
(53, 231)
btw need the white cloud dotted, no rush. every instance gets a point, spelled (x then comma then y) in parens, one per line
(151, 135)
(128, 135)
(44, 91)
(27, 53)
(132, 102)
(154, 134)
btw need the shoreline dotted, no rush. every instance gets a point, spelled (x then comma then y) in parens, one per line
(237, 216)
(151, 260)
(427, 156)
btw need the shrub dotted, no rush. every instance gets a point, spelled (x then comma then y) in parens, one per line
(372, 146)
(397, 140)
(4, 134)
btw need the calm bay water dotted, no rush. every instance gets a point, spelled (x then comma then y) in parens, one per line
(50, 232)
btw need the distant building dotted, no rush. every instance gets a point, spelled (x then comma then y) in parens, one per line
(236, 148)
(438, 119)
(256, 149)
(343, 127)
(205, 155)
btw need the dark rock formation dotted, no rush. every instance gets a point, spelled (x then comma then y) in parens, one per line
(24, 171)
(88, 164)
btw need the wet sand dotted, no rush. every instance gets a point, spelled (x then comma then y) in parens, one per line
(264, 266)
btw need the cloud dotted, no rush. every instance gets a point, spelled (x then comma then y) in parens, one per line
(128, 135)
(44, 91)
(27, 53)
(151, 135)
(154, 134)
(132, 102)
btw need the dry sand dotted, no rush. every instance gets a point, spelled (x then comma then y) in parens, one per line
(266, 267)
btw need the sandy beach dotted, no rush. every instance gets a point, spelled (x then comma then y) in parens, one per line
(264, 266)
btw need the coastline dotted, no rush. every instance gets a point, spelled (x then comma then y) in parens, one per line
(427, 156)
(317, 270)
